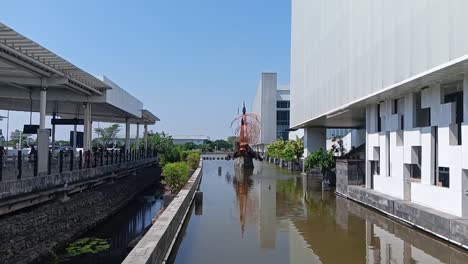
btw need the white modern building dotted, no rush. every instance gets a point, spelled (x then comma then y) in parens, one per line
(195, 139)
(399, 69)
(271, 105)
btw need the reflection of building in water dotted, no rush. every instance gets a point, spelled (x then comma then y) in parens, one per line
(298, 253)
(390, 242)
(266, 220)
(242, 183)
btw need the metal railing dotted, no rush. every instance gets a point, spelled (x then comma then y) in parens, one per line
(21, 165)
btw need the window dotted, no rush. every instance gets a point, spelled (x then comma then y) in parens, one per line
(375, 167)
(379, 119)
(453, 93)
(422, 115)
(415, 169)
(443, 178)
(282, 104)
(282, 124)
(399, 109)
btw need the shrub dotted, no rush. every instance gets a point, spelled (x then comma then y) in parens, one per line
(193, 159)
(287, 153)
(275, 148)
(175, 175)
(320, 159)
(291, 150)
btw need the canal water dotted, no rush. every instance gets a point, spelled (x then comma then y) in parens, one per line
(108, 243)
(274, 216)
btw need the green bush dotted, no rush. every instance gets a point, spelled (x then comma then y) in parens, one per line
(193, 159)
(287, 150)
(165, 148)
(175, 175)
(287, 153)
(321, 159)
(275, 148)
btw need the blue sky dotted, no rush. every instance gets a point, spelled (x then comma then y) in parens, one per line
(192, 63)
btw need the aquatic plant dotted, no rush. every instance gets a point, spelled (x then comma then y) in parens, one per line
(87, 245)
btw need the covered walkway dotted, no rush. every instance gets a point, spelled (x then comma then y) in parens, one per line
(35, 79)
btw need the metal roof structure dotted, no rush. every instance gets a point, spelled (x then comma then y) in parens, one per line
(190, 137)
(18, 49)
(26, 67)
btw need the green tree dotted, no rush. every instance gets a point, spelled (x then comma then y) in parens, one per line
(321, 159)
(287, 152)
(108, 134)
(165, 147)
(189, 146)
(232, 141)
(15, 138)
(221, 144)
(298, 147)
(275, 148)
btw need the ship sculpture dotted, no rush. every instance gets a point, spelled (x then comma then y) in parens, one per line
(247, 129)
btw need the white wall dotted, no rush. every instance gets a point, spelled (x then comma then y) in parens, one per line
(343, 50)
(264, 106)
(447, 199)
(121, 99)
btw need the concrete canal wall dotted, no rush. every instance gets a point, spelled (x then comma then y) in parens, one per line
(446, 226)
(34, 234)
(19, 194)
(157, 243)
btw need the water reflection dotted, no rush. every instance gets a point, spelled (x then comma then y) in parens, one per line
(122, 228)
(286, 218)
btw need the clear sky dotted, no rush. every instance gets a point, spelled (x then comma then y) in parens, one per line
(191, 62)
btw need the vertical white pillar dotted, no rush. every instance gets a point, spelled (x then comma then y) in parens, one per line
(137, 141)
(87, 133)
(370, 127)
(42, 133)
(53, 132)
(314, 139)
(74, 138)
(465, 98)
(127, 135)
(146, 138)
(42, 107)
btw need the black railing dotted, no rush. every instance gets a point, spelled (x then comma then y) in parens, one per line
(24, 165)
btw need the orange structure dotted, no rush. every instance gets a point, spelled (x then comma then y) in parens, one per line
(247, 130)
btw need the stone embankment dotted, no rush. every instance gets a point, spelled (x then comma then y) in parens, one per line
(32, 235)
(157, 243)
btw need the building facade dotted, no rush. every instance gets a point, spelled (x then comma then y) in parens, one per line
(399, 70)
(195, 139)
(271, 104)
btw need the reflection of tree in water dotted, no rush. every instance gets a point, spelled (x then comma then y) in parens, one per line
(242, 183)
(289, 190)
(298, 192)
(321, 207)
(228, 177)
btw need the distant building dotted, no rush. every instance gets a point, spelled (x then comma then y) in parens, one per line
(195, 139)
(271, 104)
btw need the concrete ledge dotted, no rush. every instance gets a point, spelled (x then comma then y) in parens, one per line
(11, 189)
(424, 217)
(459, 231)
(158, 241)
(372, 198)
(443, 225)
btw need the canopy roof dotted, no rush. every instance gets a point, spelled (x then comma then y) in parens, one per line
(26, 67)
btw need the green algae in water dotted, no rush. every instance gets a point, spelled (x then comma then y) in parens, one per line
(87, 245)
